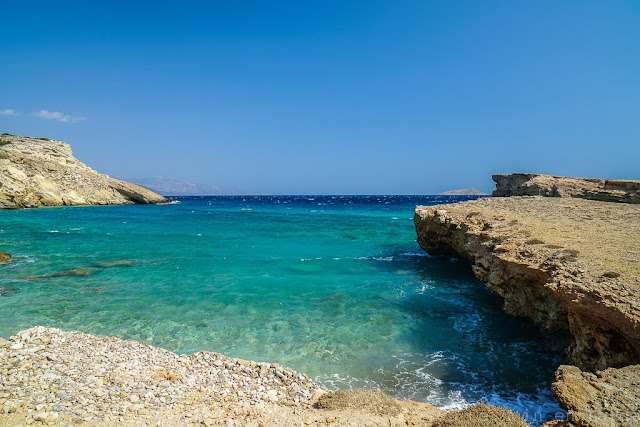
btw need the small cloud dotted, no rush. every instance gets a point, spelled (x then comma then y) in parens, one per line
(60, 117)
(9, 112)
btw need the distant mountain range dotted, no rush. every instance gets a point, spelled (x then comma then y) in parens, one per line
(463, 192)
(172, 187)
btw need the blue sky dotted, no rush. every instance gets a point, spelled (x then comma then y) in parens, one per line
(329, 97)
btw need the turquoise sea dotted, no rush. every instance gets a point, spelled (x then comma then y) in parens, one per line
(335, 287)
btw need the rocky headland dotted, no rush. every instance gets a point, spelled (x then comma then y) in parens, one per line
(569, 266)
(531, 184)
(36, 172)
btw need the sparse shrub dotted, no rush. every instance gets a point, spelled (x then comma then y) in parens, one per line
(534, 242)
(611, 275)
(372, 401)
(480, 415)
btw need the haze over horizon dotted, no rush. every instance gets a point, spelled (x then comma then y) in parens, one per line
(329, 97)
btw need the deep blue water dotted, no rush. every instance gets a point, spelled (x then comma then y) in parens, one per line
(334, 286)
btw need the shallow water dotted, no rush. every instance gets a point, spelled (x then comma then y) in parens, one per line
(335, 287)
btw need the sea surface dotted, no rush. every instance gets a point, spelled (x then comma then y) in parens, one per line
(333, 286)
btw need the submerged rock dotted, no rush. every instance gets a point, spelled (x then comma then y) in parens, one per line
(96, 290)
(8, 290)
(78, 272)
(38, 172)
(117, 263)
(5, 258)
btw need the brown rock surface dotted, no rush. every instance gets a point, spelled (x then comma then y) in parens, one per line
(569, 265)
(38, 172)
(531, 184)
(5, 258)
(606, 398)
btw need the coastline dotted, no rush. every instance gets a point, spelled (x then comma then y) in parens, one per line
(64, 377)
(569, 266)
(566, 265)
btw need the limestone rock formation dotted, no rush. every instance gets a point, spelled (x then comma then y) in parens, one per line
(606, 398)
(5, 258)
(531, 184)
(569, 265)
(38, 172)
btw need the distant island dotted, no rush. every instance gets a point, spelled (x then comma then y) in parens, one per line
(172, 187)
(464, 192)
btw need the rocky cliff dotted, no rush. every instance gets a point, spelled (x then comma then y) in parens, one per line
(529, 184)
(38, 172)
(568, 265)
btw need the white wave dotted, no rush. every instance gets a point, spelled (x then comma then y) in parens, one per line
(20, 260)
(421, 254)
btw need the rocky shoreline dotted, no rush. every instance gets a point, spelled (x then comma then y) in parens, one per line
(567, 265)
(50, 376)
(79, 377)
(570, 267)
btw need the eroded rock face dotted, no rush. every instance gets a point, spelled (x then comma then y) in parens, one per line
(5, 258)
(606, 398)
(38, 172)
(530, 184)
(545, 259)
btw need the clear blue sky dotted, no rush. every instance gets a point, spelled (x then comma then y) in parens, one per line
(333, 97)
